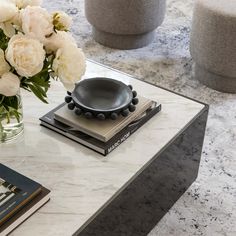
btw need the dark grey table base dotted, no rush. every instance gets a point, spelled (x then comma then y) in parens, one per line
(148, 197)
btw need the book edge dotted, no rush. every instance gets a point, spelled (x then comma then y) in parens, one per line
(107, 136)
(9, 226)
(104, 151)
(73, 137)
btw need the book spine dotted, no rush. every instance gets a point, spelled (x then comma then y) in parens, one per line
(127, 132)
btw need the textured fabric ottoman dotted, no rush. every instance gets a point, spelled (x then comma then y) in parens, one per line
(213, 43)
(125, 24)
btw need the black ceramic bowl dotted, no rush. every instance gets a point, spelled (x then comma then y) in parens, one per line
(102, 98)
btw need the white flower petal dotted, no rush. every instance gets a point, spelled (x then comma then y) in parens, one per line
(9, 84)
(59, 40)
(8, 29)
(4, 66)
(24, 3)
(7, 10)
(36, 22)
(69, 65)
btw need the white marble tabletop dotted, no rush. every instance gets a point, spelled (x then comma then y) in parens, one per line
(81, 181)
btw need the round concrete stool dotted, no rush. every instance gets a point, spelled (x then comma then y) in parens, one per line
(125, 24)
(213, 43)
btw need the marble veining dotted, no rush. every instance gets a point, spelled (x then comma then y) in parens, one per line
(81, 180)
(209, 206)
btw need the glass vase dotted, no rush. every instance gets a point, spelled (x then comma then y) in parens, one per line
(11, 126)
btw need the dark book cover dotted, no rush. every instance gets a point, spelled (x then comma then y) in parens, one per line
(103, 148)
(16, 190)
(30, 208)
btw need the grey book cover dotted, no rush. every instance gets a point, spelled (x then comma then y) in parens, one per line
(102, 130)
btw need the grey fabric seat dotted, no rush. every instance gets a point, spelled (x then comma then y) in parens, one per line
(213, 43)
(125, 24)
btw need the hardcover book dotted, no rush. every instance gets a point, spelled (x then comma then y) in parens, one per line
(103, 148)
(30, 208)
(100, 129)
(16, 192)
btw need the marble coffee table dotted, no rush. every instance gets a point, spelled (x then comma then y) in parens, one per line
(123, 194)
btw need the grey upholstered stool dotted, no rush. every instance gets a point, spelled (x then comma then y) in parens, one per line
(213, 43)
(125, 24)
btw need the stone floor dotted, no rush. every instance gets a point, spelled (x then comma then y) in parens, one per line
(209, 206)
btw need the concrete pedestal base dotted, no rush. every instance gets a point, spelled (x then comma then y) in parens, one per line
(213, 44)
(125, 24)
(123, 41)
(215, 81)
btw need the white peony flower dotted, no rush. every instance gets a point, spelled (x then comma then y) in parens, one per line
(26, 55)
(24, 3)
(36, 22)
(7, 10)
(61, 21)
(4, 66)
(58, 40)
(69, 65)
(9, 84)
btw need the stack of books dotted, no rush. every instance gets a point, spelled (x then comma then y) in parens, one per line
(101, 136)
(20, 197)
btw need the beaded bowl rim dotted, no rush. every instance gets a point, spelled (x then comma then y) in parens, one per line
(101, 114)
(94, 110)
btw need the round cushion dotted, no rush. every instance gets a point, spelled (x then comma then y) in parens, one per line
(213, 37)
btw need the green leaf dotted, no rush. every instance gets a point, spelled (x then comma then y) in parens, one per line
(16, 114)
(14, 102)
(7, 113)
(1, 127)
(41, 81)
(11, 102)
(37, 93)
(4, 40)
(1, 99)
(41, 90)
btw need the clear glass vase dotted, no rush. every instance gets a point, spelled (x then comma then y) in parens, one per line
(11, 127)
